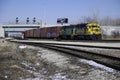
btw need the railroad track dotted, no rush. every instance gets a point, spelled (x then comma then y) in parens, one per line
(93, 41)
(107, 60)
(102, 41)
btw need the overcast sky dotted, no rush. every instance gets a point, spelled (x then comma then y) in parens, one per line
(49, 10)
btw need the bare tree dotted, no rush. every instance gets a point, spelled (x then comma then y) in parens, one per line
(93, 18)
(95, 15)
(108, 21)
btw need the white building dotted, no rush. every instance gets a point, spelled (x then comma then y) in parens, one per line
(107, 30)
(2, 34)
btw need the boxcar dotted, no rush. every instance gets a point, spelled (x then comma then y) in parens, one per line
(31, 33)
(43, 33)
(26, 34)
(36, 33)
(53, 32)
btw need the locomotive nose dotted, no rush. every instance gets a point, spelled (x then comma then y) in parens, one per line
(96, 29)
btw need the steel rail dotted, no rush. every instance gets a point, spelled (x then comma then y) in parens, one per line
(80, 45)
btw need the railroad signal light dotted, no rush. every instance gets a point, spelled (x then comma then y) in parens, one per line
(27, 21)
(17, 20)
(34, 20)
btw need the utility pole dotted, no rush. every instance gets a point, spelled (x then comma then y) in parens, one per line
(40, 23)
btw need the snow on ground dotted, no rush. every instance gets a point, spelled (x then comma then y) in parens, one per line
(57, 76)
(90, 62)
(22, 46)
(26, 46)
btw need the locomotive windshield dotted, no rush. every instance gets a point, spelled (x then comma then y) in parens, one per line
(94, 26)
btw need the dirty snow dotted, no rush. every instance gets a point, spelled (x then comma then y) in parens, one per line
(90, 62)
(57, 76)
(57, 59)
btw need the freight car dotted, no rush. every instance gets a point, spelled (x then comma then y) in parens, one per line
(44, 33)
(77, 31)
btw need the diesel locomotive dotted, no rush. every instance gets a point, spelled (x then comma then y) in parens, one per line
(76, 31)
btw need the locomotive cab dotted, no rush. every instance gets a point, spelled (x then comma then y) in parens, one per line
(94, 31)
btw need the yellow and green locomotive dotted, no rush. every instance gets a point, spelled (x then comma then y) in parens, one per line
(81, 31)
